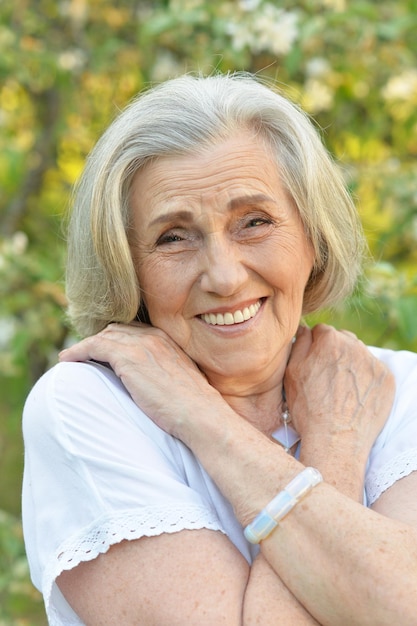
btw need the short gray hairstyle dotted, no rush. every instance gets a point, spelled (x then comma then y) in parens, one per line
(177, 118)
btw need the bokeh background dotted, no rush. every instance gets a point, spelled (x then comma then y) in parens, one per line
(68, 66)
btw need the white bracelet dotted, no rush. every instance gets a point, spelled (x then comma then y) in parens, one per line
(268, 519)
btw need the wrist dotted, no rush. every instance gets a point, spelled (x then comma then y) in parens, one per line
(245, 464)
(282, 504)
(340, 459)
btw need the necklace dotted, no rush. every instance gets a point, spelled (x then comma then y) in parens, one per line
(286, 435)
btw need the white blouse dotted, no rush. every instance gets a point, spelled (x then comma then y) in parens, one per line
(98, 471)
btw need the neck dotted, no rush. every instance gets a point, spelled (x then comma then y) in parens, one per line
(255, 396)
(262, 409)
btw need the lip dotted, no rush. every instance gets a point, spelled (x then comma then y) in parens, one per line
(232, 317)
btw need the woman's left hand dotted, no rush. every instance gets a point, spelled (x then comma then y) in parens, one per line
(339, 396)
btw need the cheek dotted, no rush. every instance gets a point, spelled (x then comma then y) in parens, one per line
(287, 264)
(152, 287)
(301, 263)
(162, 290)
(290, 280)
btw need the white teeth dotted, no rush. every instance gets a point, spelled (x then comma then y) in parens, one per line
(227, 319)
(238, 317)
(246, 313)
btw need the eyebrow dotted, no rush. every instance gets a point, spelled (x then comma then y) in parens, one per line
(258, 198)
(169, 216)
(232, 205)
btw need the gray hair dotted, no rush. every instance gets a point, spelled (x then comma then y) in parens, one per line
(176, 118)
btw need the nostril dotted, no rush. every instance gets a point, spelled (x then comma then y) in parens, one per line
(223, 276)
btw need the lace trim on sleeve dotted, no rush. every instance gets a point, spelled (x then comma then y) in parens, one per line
(112, 529)
(399, 467)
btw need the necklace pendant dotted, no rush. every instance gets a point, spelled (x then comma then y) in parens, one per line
(287, 436)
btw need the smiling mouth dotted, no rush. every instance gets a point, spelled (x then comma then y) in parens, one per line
(229, 318)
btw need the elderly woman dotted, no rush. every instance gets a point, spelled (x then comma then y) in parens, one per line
(201, 458)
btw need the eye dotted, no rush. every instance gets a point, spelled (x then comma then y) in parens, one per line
(255, 219)
(254, 226)
(258, 221)
(177, 235)
(170, 237)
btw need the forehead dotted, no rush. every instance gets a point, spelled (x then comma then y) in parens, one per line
(231, 168)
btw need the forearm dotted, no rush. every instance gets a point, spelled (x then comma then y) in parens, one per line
(269, 602)
(342, 558)
(267, 599)
(333, 554)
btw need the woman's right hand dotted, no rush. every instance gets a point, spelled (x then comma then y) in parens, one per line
(162, 380)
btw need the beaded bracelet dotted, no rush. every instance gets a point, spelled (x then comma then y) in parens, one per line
(268, 519)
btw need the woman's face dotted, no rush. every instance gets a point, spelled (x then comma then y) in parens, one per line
(222, 258)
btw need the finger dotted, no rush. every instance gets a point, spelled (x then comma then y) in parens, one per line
(117, 343)
(96, 348)
(128, 328)
(322, 330)
(301, 331)
(137, 324)
(135, 329)
(348, 333)
(302, 343)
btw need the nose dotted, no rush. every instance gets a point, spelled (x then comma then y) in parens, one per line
(223, 269)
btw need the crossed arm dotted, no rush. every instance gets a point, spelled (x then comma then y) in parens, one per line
(329, 562)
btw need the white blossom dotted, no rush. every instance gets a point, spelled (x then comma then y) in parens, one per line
(165, 67)
(266, 28)
(401, 87)
(249, 5)
(19, 243)
(317, 96)
(317, 66)
(277, 30)
(75, 10)
(7, 331)
(241, 35)
(72, 60)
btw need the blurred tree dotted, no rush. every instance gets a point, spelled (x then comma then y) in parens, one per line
(68, 66)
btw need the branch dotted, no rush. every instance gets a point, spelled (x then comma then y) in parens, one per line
(48, 112)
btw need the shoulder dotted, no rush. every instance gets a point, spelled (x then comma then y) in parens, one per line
(65, 379)
(81, 400)
(402, 363)
(70, 384)
(394, 454)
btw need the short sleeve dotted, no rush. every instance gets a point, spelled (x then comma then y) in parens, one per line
(98, 471)
(394, 454)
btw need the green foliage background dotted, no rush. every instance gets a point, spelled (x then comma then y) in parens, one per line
(67, 67)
